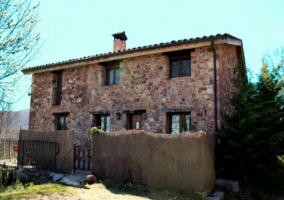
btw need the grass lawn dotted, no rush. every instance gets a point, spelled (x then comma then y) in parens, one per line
(270, 185)
(99, 190)
(22, 191)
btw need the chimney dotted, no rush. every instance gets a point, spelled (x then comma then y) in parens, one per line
(119, 41)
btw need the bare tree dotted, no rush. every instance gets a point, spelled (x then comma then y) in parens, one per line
(19, 42)
(7, 119)
(275, 59)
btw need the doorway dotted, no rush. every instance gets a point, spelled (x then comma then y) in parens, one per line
(135, 121)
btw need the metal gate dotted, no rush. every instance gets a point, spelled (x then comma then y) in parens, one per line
(82, 158)
(39, 154)
(7, 153)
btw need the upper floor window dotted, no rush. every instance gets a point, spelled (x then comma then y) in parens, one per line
(179, 122)
(180, 63)
(112, 75)
(180, 67)
(57, 81)
(112, 72)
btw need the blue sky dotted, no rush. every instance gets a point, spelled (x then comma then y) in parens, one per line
(74, 29)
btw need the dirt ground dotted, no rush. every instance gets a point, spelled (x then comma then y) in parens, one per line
(95, 191)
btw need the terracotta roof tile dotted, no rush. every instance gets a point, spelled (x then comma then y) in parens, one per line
(173, 42)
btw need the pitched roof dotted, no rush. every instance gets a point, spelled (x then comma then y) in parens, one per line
(135, 49)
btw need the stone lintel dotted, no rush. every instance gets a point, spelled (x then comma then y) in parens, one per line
(60, 113)
(133, 112)
(177, 110)
(99, 112)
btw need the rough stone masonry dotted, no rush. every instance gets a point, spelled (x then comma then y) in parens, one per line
(144, 85)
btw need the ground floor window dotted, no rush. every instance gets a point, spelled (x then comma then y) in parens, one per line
(62, 121)
(102, 121)
(179, 122)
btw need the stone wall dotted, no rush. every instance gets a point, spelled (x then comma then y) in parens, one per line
(65, 139)
(74, 100)
(144, 85)
(226, 73)
(41, 101)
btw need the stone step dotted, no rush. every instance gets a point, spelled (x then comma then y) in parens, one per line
(217, 195)
(231, 185)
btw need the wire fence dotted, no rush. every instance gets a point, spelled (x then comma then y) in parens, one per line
(8, 152)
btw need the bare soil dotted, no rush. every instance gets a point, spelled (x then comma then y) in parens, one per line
(94, 191)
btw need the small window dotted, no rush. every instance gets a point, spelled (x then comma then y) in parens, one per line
(112, 75)
(180, 67)
(180, 63)
(102, 121)
(57, 88)
(62, 121)
(179, 123)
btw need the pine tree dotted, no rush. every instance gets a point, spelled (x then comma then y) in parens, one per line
(251, 143)
(271, 113)
(234, 150)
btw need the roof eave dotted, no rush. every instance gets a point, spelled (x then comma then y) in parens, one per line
(134, 52)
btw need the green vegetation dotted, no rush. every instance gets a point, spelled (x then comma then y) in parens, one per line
(251, 143)
(95, 130)
(5, 175)
(159, 193)
(20, 190)
(269, 185)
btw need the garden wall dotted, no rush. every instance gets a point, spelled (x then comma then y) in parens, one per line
(65, 139)
(181, 162)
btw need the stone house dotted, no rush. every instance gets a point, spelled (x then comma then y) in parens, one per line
(175, 87)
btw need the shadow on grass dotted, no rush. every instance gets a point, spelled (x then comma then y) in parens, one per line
(157, 193)
(270, 185)
(20, 190)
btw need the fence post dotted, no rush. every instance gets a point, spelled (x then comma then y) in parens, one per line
(83, 151)
(23, 153)
(9, 149)
(55, 144)
(88, 158)
(74, 147)
(17, 158)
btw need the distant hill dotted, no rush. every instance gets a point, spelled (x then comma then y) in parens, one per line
(18, 117)
(22, 117)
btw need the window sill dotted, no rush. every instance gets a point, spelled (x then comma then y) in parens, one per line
(114, 85)
(181, 78)
(55, 105)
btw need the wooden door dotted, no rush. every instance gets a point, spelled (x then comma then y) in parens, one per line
(135, 121)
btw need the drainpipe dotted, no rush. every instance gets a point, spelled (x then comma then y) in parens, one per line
(215, 85)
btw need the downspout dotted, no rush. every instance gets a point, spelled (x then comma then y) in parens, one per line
(215, 85)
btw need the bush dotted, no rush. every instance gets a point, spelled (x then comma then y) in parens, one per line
(6, 176)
